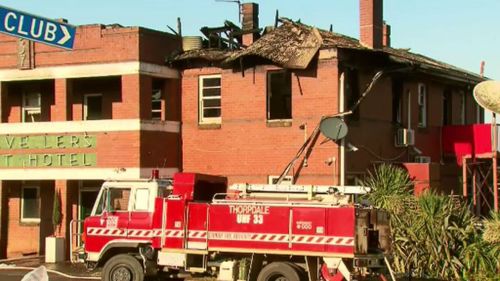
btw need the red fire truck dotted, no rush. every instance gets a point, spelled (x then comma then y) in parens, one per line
(194, 224)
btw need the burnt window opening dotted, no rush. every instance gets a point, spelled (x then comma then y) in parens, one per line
(397, 101)
(157, 99)
(92, 107)
(447, 107)
(422, 105)
(279, 95)
(156, 104)
(351, 88)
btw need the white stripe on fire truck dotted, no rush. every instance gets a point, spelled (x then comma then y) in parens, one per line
(98, 231)
(102, 231)
(282, 238)
(222, 235)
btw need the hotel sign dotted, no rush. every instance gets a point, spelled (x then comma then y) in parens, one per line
(47, 151)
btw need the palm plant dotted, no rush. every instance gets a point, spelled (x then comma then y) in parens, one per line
(432, 235)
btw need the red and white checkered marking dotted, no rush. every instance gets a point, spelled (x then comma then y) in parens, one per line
(197, 234)
(270, 237)
(323, 240)
(138, 233)
(222, 235)
(98, 231)
(283, 238)
(172, 233)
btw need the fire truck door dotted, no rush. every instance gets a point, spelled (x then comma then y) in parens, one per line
(197, 226)
(117, 212)
(109, 220)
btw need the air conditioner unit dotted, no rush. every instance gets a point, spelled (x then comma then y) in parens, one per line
(404, 137)
(422, 159)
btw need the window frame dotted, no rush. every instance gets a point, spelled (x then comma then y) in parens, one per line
(153, 101)
(129, 202)
(134, 206)
(201, 118)
(268, 96)
(85, 106)
(422, 106)
(21, 217)
(25, 108)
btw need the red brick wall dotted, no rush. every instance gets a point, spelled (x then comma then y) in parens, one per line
(154, 46)
(97, 44)
(160, 150)
(172, 96)
(33, 234)
(244, 148)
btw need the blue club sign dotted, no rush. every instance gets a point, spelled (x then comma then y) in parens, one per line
(36, 28)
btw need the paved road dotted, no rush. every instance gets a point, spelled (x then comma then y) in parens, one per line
(17, 275)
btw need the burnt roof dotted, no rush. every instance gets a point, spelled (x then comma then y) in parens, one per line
(293, 45)
(205, 54)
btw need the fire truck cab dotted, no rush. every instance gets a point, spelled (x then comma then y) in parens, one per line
(196, 224)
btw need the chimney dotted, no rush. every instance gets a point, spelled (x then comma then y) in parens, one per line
(250, 21)
(371, 23)
(387, 35)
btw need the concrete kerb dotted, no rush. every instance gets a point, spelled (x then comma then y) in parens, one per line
(65, 269)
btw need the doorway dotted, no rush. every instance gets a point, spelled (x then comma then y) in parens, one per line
(86, 199)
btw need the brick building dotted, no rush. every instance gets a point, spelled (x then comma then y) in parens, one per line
(251, 100)
(70, 119)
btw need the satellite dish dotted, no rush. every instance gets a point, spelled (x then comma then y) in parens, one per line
(487, 95)
(333, 128)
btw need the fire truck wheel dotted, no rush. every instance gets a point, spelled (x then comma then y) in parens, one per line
(122, 268)
(279, 271)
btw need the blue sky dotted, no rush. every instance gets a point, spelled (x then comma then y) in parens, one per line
(459, 32)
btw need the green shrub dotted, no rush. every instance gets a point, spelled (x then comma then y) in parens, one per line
(433, 235)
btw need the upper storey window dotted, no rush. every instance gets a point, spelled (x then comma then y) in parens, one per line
(210, 99)
(279, 95)
(31, 110)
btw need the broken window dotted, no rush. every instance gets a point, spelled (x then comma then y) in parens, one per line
(92, 107)
(31, 111)
(422, 105)
(210, 99)
(279, 95)
(397, 101)
(156, 104)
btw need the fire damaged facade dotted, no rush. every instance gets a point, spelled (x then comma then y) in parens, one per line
(71, 119)
(251, 100)
(127, 100)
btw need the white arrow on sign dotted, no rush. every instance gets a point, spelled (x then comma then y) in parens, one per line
(66, 37)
